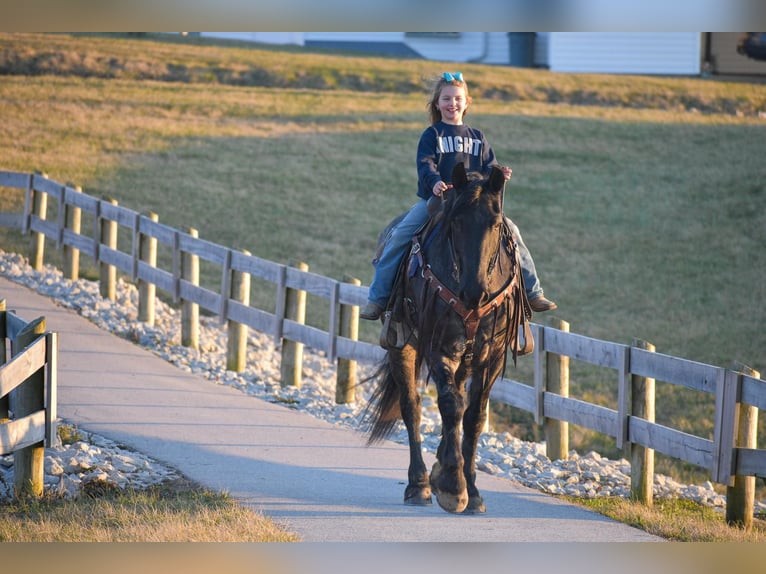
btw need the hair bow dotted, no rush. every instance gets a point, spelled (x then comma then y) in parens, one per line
(456, 76)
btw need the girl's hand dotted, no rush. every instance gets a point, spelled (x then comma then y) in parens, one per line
(439, 187)
(507, 172)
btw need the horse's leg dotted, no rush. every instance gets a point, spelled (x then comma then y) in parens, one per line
(418, 491)
(447, 477)
(473, 423)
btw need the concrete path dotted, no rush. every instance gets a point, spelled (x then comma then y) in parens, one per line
(319, 480)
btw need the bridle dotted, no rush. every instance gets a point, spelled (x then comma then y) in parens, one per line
(472, 316)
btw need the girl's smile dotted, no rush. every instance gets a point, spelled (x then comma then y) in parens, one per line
(452, 104)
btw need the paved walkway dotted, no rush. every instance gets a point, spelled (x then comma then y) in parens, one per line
(319, 480)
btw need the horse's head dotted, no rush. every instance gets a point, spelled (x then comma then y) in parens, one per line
(475, 228)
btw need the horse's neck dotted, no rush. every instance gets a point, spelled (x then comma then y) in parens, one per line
(437, 253)
(429, 230)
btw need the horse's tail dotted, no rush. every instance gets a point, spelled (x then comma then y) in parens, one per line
(383, 411)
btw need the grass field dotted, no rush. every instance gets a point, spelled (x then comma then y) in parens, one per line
(178, 511)
(640, 198)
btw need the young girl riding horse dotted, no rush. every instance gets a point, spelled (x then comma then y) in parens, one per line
(446, 142)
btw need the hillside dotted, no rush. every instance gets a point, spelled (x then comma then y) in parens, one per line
(170, 58)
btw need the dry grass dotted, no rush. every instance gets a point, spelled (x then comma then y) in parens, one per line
(174, 512)
(209, 61)
(677, 520)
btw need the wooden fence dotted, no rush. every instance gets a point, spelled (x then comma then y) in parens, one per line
(731, 456)
(28, 393)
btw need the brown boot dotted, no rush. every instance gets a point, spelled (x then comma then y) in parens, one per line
(371, 312)
(540, 304)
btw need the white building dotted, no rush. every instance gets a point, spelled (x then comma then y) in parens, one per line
(662, 53)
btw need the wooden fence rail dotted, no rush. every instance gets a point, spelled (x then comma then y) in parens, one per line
(28, 393)
(547, 399)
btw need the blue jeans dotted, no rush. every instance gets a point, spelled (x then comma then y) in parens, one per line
(401, 239)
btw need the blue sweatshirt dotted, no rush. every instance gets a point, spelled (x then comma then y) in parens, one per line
(442, 146)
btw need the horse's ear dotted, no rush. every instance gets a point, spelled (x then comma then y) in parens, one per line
(496, 179)
(459, 177)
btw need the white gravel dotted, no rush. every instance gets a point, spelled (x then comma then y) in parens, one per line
(501, 454)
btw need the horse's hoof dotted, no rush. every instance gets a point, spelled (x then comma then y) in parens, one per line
(417, 496)
(475, 505)
(454, 503)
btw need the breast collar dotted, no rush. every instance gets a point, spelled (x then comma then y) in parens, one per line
(471, 317)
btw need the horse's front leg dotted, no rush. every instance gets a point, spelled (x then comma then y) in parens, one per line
(447, 476)
(473, 422)
(418, 491)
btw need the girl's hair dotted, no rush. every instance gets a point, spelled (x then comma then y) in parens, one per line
(437, 85)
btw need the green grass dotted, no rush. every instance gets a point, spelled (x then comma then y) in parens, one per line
(640, 198)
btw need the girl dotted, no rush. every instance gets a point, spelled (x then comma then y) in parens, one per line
(442, 145)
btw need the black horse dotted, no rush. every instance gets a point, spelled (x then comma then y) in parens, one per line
(461, 304)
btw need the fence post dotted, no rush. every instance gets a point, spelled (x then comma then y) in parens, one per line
(642, 458)
(740, 498)
(27, 398)
(3, 356)
(345, 381)
(190, 310)
(236, 346)
(37, 243)
(108, 273)
(147, 249)
(557, 381)
(292, 351)
(73, 222)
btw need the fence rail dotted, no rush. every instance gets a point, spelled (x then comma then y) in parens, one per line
(727, 455)
(716, 455)
(28, 395)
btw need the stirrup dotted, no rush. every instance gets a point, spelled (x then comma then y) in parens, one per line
(392, 333)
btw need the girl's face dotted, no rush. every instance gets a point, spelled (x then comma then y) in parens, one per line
(452, 104)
